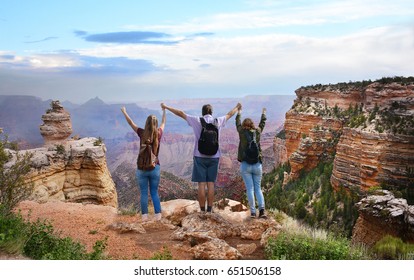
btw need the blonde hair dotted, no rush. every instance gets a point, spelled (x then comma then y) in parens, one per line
(150, 134)
(248, 124)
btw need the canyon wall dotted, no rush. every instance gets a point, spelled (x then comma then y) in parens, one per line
(367, 129)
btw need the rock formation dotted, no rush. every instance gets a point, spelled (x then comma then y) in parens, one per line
(75, 171)
(383, 214)
(205, 235)
(368, 129)
(68, 170)
(57, 125)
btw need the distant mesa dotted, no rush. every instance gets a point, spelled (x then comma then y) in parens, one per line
(57, 125)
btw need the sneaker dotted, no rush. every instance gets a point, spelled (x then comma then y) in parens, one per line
(144, 217)
(253, 215)
(262, 214)
(158, 217)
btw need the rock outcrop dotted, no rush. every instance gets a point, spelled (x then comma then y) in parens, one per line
(75, 171)
(57, 125)
(368, 129)
(383, 214)
(206, 235)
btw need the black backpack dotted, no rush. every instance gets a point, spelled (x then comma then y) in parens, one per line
(208, 143)
(251, 154)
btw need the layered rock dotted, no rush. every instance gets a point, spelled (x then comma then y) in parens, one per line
(57, 125)
(382, 214)
(369, 127)
(368, 159)
(279, 150)
(75, 172)
(309, 139)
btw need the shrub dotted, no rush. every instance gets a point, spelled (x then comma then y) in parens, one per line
(38, 240)
(165, 254)
(12, 183)
(60, 149)
(299, 246)
(392, 248)
(98, 142)
(13, 233)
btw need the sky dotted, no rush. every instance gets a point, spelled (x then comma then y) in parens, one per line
(130, 51)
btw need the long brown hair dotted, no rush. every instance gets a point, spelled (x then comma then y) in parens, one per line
(150, 134)
(248, 124)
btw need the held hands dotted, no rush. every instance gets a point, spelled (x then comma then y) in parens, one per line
(163, 106)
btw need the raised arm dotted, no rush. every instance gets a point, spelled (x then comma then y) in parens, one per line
(176, 112)
(262, 120)
(233, 111)
(128, 119)
(238, 120)
(164, 118)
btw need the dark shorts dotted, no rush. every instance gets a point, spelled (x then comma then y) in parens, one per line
(205, 169)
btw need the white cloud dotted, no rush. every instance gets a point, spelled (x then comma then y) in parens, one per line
(265, 15)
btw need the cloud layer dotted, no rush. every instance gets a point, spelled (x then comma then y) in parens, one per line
(271, 48)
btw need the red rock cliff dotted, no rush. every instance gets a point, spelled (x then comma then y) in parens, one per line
(367, 128)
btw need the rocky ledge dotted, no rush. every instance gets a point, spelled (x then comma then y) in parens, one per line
(74, 171)
(383, 214)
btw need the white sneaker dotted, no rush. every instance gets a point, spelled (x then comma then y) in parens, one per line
(144, 217)
(158, 216)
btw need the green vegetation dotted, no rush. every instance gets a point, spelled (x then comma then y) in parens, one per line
(98, 142)
(301, 246)
(312, 199)
(392, 248)
(361, 84)
(12, 185)
(60, 149)
(296, 241)
(38, 240)
(281, 134)
(130, 210)
(165, 254)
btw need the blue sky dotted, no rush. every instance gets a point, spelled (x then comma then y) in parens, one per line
(129, 51)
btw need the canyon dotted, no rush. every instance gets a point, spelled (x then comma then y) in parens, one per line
(367, 131)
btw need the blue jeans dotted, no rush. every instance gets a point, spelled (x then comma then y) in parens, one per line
(149, 179)
(252, 177)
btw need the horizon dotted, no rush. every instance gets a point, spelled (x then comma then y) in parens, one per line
(128, 50)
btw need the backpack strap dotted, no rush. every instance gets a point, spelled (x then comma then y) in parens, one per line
(203, 122)
(249, 137)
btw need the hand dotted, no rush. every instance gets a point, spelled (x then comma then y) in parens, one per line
(123, 109)
(264, 111)
(163, 107)
(239, 106)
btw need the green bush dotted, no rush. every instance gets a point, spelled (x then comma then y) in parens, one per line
(12, 183)
(13, 233)
(393, 248)
(165, 254)
(299, 246)
(38, 240)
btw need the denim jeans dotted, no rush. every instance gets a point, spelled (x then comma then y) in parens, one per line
(151, 180)
(252, 177)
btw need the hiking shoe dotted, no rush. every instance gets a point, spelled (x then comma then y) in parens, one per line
(253, 215)
(262, 214)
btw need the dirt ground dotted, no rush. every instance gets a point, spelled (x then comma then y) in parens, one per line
(89, 223)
